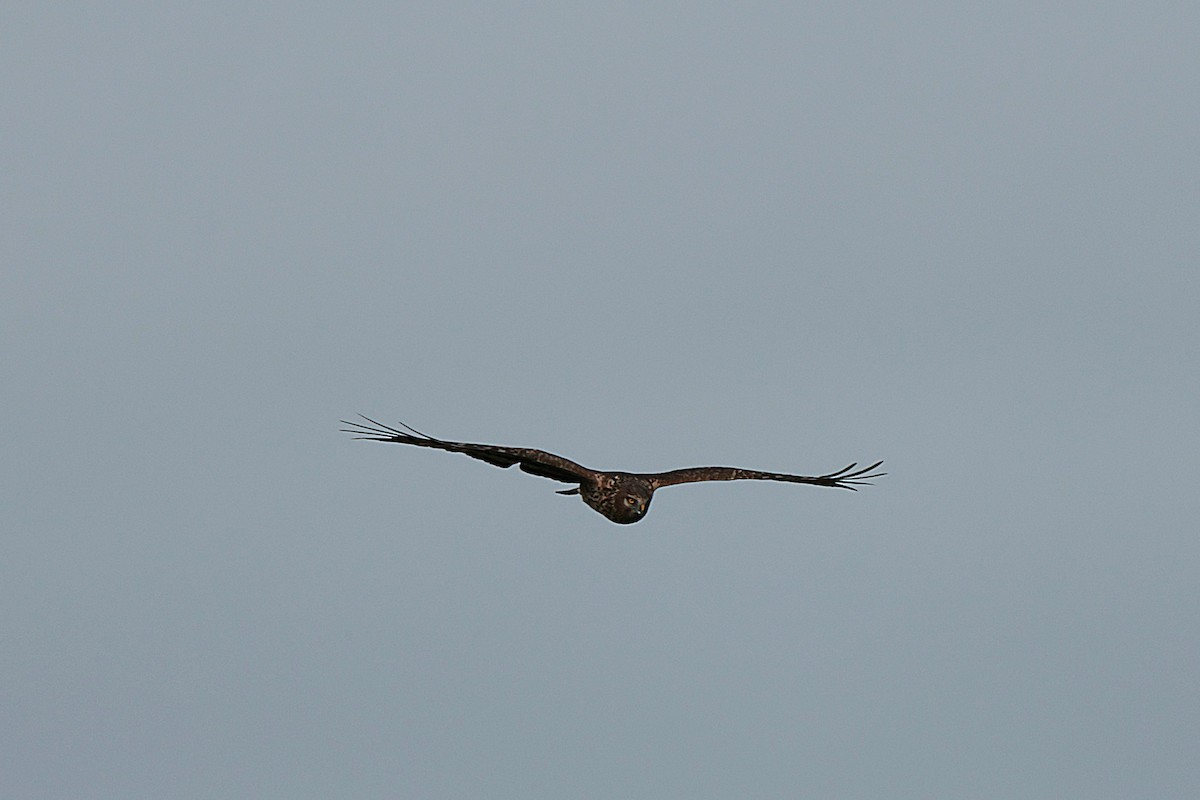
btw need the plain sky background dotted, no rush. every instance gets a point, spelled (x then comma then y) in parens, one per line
(961, 237)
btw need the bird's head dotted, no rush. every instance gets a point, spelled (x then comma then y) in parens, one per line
(630, 500)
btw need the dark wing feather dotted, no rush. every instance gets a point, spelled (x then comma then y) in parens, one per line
(847, 478)
(535, 462)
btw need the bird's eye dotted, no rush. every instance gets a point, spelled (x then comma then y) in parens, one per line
(629, 501)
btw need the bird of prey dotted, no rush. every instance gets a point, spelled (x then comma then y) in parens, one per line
(623, 497)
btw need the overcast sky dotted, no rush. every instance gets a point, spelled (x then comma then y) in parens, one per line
(962, 238)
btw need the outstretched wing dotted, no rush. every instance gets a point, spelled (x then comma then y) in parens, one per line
(535, 462)
(847, 478)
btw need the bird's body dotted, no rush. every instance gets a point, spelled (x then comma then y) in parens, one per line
(623, 497)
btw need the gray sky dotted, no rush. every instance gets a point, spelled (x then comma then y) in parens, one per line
(959, 237)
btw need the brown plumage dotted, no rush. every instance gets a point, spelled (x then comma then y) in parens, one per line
(623, 497)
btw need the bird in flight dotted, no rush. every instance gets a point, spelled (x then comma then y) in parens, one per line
(623, 497)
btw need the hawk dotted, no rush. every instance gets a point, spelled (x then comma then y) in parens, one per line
(623, 497)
